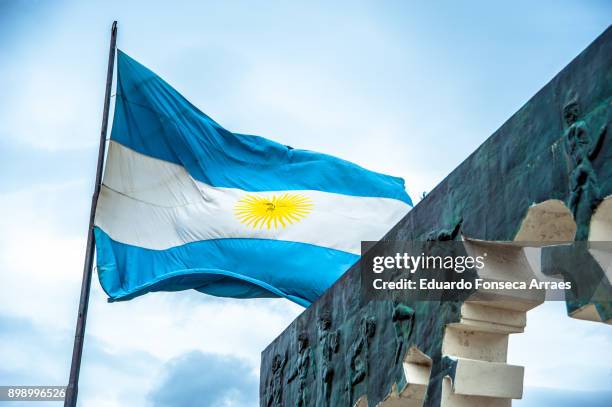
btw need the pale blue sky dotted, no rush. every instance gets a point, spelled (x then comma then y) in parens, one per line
(406, 88)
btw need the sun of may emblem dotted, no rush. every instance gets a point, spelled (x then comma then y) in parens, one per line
(272, 211)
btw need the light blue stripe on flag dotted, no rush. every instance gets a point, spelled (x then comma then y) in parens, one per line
(154, 119)
(239, 268)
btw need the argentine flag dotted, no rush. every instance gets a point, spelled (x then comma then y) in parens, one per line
(187, 204)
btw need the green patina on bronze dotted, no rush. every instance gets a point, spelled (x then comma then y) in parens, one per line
(556, 146)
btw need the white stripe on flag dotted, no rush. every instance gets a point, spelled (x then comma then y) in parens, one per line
(154, 204)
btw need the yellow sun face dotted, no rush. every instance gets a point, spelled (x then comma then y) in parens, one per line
(273, 211)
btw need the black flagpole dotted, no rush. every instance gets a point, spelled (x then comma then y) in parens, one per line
(79, 336)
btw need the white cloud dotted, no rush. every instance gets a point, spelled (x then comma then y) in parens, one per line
(561, 352)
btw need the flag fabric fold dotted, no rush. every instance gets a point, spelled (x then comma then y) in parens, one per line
(187, 204)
